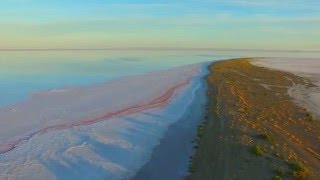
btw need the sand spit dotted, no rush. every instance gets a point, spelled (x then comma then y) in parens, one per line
(95, 132)
(306, 96)
(253, 129)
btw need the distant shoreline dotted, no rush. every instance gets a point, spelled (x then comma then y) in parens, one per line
(156, 49)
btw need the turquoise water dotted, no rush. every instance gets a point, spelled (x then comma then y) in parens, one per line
(24, 72)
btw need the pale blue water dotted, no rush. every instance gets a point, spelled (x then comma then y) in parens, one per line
(24, 72)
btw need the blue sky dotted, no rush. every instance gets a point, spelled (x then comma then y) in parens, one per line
(237, 24)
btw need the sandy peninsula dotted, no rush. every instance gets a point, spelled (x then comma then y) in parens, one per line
(260, 122)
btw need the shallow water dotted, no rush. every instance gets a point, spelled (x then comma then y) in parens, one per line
(114, 147)
(23, 72)
(170, 159)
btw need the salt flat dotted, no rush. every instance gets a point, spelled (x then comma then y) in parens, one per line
(308, 97)
(101, 131)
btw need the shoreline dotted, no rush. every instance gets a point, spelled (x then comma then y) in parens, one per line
(255, 131)
(309, 69)
(171, 157)
(168, 156)
(114, 136)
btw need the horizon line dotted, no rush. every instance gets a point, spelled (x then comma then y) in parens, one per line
(150, 49)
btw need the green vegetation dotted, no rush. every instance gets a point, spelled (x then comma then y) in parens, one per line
(277, 178)
(310, 117)
(191, 168)
(258, 150)
(267, 136)
(299, 171)
(280, 172)
(200, 131)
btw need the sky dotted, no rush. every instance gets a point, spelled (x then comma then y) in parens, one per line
(227, 24)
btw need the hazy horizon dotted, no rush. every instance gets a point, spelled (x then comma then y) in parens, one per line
(231, 24)
(153, 49)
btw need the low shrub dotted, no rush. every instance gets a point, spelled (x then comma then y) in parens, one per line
(299, 171)
(280, 172)
(267, 136)
(191, 168)
(311, 117)
(258, 150)
(200, 130)
(277, 178)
